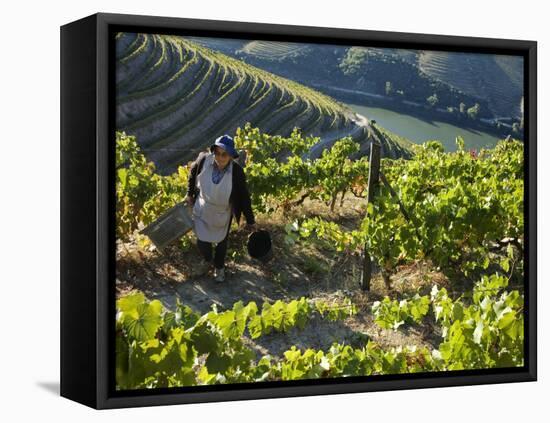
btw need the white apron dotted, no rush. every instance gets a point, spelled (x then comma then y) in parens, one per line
(212, 211)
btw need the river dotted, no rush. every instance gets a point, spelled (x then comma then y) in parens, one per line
(418, 130)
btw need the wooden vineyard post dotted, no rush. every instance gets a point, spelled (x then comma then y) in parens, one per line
(373, 183)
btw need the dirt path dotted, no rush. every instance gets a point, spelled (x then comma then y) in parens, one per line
(295, 271)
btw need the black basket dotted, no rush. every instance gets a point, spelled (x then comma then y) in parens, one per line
(259, 246)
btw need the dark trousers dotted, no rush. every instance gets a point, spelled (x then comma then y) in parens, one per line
(205, 249)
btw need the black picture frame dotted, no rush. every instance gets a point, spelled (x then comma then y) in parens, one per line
(87, 204)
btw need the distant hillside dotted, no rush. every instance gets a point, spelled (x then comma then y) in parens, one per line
(177, 96)
(496, 78)
(275, 51)
(373, 69)
(499, 79)
(493, 81)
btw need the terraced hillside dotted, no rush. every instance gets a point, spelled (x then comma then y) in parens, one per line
(223, 45)
(273, 50)
(494, 81)
(361, 69)
(371, 69)
(177, 96)
(497, 78)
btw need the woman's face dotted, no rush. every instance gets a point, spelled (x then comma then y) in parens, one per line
(221, 157)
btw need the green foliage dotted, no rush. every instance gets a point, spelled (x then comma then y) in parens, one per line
(139, 319)
(183, 348)
(336, 310)
(390, 314)
(473, 111)
(160, 348)
(353, 60)
(283, 182)
(280, 317)
(142, 194)
(432, 100)
(459, 206)
(484, 334)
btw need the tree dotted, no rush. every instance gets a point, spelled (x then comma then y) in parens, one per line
(432, 100)
(389, 88)
(354, 59)
(473, 111)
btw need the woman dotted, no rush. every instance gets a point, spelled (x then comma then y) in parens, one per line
(217, 189)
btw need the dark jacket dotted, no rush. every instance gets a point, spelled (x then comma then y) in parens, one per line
(239, 197)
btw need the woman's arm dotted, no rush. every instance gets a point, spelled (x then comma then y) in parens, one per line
(246, 203)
